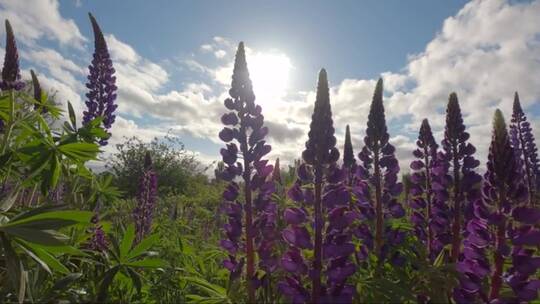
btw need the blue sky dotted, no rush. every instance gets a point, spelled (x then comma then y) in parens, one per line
(354, 39)
(174, 59)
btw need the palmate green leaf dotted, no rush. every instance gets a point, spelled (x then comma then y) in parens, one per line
(127, 242)
(148, 263)
(80, 151)
(143, 246)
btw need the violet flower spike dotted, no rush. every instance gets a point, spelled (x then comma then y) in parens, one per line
(37, 93)
(99, 241)
(497, 215)
(423, 216)
(11, 77)
(244, 132)
(146, 200)
(101, 84)
(378, 173)
(326, 209)
(522, 140)
(458, 156)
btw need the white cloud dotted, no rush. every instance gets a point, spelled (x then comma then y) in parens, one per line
(32, 20)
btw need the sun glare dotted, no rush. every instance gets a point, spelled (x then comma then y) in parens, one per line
(269, 73)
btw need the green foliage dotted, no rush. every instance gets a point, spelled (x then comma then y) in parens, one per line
(174, 166)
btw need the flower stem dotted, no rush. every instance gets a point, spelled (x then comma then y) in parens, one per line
(317, 262)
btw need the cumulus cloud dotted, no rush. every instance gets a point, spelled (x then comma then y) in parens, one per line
(36, 19)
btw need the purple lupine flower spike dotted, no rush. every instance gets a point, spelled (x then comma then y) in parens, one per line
(497, 216)
(454, 170)
(11, 77)
(522, 139)
(320, 151)
(378, 173)
(245, 133)
(276, 174)
(37, 92)
(424, 215)
(348, 155)
(146, 200)
(101, 86)
(98, 242)
(326, 209)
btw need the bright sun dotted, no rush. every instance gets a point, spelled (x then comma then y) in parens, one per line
(269, 73)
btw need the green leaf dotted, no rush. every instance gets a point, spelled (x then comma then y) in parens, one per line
(47, 258)
(105, 282)
(440, 259)
(72, 117)
(83, 217)
(36, 236)
(38, 210)
(144, 245)
(149, 262)
(8, 201)
(127, 241)
(136, 278)
(13, 263)
(80, 151)
(211, 289)
(61, 285)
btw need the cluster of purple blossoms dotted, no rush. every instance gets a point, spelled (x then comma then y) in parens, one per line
(146, 200)
(323, 209)
(500, 216)
(378, 186)
(37, 93)
(245, 125)
(522, 140)
(11, 77)
(454, 181)
(428, 215)
(101, 84)
(98, 241)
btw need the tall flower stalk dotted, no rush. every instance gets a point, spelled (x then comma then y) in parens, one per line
(243, 157)
(454, 179)
(11, 77)
(522, 140)
(320, 222)
(498, 215)
(101, 83)
(378, 172)
(146, 200)
(424, 216)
